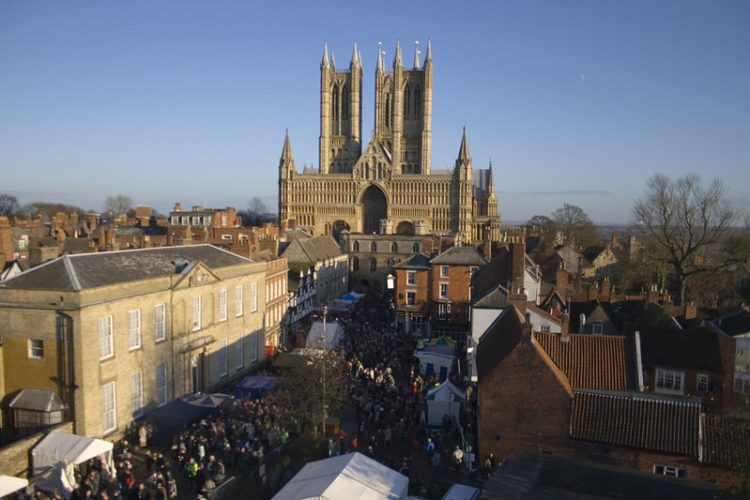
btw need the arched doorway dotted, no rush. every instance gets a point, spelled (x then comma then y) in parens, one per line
(374, 208)
(405, 228)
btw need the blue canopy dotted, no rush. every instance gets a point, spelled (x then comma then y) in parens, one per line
(255, 386)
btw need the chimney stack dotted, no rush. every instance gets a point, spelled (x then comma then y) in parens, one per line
(562, 279)
(691, 310)
(605, 293)
(6, 242)
(517, 263)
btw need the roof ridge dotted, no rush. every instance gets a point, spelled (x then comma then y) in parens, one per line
(71, 272)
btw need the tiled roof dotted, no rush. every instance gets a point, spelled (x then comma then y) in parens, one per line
(416, 261)
(736, 323)
(461, 256)
(311, 250)
(590, 361)
(637, 420)
(726, 442)
(91, 270)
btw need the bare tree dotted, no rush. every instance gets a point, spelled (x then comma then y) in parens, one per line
(8, 204)
(681, 221)
(118, 205)
(254, 214)
(542, 224)
(576, 227)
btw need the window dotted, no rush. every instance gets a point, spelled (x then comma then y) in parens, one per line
(185, 220)
(240, 352)
(411, 298)
(161, 383)
(196, 325)
(373, 247)
(136, 394)
(253, 297)
(669, 381)
(373, 264)
(545, 328)
(238, 300)
(109, 408)
(701, 382)
(411, 277)
(443, 290)
(226, 237)
(415, 248)
(355, 263)
(160, 323)
(355, 246)
(473, 271)
(223, 304)
(106, 347)
(394, 247)
(597, 328)
(36, 349)
(134, 328)
(223, 359)
(175, 220)
(741, 385)
(667, 470)
(444, 311)
(255, 339)
(444, 271)
(196, 220)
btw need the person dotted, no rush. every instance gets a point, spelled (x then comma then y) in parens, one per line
(458, 456)
(142, 436)
(430, 450)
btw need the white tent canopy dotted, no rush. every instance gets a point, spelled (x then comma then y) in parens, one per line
(432, 360)
(333, 333)
(10, 484)
(55, 455)
(350, 476)
(446, 399)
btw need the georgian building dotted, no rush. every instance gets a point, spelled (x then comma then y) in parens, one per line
(115, 334)
(390, 185)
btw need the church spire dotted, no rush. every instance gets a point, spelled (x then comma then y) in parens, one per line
(416, 54)
(379, 66)
(324, 63)
(333, 60)
(428, 57)
(463, 151)
(397, 57)
(286, 152)
(355, 56)
(490, 179)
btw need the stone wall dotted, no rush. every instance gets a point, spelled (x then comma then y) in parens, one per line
(15, 458)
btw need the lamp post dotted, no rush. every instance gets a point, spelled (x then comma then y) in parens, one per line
(325, 352)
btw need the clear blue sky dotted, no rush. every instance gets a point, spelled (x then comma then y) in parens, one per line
(575, 101)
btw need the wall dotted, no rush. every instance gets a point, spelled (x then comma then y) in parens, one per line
(14, 458)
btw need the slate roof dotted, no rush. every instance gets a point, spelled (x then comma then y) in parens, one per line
(418, 261)
(637, 420)
(498, 341)
(736, 323)
(727, 442)
(549, 477)
(697, 350)
(311, 250)
(92, 270)
(591, 361)
(587, 308)
(460, 256)
(495, 298)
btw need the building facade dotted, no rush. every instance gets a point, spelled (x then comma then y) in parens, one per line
(116, 334)
(389, 187)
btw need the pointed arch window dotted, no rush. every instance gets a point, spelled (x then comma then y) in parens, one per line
(373, 264)
(388, 105)
(345, 102)
(417, 101)
(415, 248)
(355, 264)
(394, 247)
(373, 247)
(335, 106)
(407, 101)
(355, 247)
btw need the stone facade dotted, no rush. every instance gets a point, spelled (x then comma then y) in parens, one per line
(192, 327)
(389, 187)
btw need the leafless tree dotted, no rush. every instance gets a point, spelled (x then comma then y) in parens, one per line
(681, 221)
(576, 226)
(8, 204)
(118, 205)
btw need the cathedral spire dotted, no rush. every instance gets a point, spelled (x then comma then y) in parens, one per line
(324, 63)
(463, 151)
(355, 57)
(380, 57)
(397, 57)
(333, 60)
(286, 153)
(416, 54)
(490, 179)
(428, 57)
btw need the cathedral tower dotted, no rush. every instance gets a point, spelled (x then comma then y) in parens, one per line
(403, 112)
(340, 114)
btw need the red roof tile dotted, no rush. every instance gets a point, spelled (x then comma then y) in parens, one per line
(590, 361)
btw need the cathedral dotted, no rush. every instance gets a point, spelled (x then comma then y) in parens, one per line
(388, 187)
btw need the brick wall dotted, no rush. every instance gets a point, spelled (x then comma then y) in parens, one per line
(15, 458)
